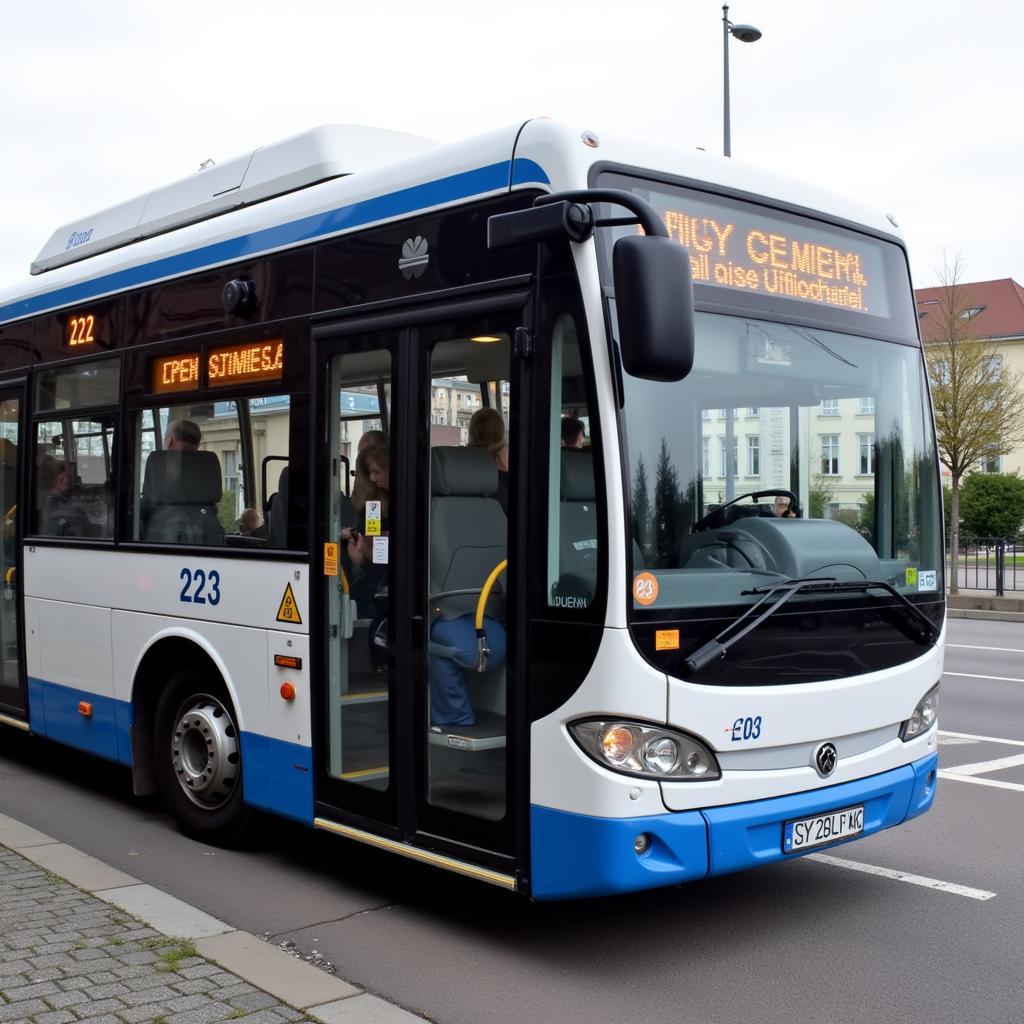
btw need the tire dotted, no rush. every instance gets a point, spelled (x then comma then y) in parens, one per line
(198, 758)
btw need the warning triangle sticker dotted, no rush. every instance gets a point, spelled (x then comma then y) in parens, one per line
(288, 611)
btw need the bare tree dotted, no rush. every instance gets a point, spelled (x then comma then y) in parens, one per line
(977, 400)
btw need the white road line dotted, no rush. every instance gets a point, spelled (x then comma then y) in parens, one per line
(971, 675)
(983, 767)
(994, 783)
(981, 739)
(980, 647)
(903, 876)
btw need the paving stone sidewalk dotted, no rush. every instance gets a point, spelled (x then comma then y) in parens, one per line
(68, 956)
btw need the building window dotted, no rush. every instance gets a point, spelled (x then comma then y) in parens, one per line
(729, 466)
(753, 410)
(705, 414)
(830, 454)
(706, 457)
(830, 407)
(992, 464)
(753, 455)
(866, 406)
(866, 444)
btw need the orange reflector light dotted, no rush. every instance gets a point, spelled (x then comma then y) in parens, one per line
(85, 709)
(287, 661)
(288, 691)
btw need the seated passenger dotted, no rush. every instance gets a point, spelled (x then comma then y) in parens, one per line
(487, 430)
(59, 515)
(250, 524)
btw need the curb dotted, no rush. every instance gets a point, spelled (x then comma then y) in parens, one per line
(300, 985)
(983, 613)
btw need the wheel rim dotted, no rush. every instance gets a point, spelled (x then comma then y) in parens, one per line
(204, 752)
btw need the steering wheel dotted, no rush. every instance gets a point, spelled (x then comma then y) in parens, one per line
(719, 517)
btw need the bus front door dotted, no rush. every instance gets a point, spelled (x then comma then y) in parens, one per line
(417, 729)
(13, 704)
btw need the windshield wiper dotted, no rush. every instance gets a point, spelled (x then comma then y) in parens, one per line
(732, 634)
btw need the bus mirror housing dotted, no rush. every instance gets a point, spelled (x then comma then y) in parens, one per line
(654, 304)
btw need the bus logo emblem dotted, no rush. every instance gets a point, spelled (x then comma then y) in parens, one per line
(414, 257)
(825, 759)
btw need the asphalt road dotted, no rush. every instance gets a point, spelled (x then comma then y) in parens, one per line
(808, 940)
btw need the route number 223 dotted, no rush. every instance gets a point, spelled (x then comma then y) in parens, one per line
(199, 587)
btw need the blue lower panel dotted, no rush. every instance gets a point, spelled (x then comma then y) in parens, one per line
(578, 855)
(54, 713)
(278, 776)
(745, 835)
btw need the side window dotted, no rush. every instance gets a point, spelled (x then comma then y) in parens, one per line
(573, 548)
(75, 451)
(214, 473)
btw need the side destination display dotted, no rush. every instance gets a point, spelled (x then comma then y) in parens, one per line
(225, 366)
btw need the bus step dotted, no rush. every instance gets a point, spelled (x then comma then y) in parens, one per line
(487, 734)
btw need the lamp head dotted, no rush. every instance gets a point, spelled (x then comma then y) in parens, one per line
(745, 33)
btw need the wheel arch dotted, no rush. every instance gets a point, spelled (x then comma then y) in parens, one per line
(168, 653)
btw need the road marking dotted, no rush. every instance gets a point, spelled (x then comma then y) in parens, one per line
(971, 675)
(980, 647)
(903, 876)
(994, 783)
(981, 739)
(983, 767)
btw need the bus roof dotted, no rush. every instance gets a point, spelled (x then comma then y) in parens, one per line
(342, 178)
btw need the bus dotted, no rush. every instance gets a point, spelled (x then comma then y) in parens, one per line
(681, 616)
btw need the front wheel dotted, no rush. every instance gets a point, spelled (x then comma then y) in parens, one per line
(198, 753)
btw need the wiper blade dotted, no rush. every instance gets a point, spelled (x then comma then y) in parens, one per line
(717, 647)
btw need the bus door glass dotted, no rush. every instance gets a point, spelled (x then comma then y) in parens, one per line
(12, 694)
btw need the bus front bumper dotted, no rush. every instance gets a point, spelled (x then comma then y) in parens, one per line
(577, 855)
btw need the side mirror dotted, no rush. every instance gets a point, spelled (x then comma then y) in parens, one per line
(654, 303)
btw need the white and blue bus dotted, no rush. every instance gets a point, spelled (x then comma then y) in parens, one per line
(681, 613)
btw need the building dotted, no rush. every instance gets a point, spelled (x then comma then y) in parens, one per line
(995, 311)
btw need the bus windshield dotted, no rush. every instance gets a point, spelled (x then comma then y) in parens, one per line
(836, 428)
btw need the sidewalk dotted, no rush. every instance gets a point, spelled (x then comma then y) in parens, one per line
(983, 604)
(82, 941)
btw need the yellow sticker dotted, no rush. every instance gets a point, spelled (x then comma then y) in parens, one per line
(911, 577)
(373, 519)
(289, 610)
(330, 559)
(645, 588)
(666, 640)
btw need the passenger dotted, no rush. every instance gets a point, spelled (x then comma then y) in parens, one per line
(453, 653)
(183, 436)
(487, 430)
(361, 487)
(781, 508)
(368, 588)
(58, 516)
(573, 432)
(370, 439)
(250, 524)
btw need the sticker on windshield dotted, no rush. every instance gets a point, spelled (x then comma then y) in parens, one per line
(911, 577)
(645, 588)
(926, 580)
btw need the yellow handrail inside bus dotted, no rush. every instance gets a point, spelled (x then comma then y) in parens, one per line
(482, 650)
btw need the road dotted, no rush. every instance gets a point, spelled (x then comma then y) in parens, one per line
(811, 939)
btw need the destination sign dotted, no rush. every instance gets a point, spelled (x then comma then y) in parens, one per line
(750, 249)
(226, 366)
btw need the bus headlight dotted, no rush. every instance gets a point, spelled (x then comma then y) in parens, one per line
(648, 751)
(924, 715)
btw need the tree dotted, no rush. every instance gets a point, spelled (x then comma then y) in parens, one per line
(992, 504)
(977, 400)
(819, 496)
(643, 524)
(666, 509)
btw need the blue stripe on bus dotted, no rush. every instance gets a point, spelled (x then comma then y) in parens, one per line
(54, 713)
(579, 855)
(278, 776)
(464, 185)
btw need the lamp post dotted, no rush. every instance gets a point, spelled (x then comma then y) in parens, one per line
(745, 34)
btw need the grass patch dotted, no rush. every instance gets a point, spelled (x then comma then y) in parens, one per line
(171, 953)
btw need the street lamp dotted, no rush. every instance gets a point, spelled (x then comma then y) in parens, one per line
(745, 34)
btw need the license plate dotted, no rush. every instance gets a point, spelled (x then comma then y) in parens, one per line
(822, 828)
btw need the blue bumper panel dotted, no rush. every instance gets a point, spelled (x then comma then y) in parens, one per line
(577, 855)
(747, 835)
(574, 855)
(278, 776)
(54, 713)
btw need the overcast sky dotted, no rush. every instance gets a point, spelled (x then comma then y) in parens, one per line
(912, 106)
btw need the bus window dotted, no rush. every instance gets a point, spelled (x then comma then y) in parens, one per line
(573, 547)
(73, 473)
(214, 473)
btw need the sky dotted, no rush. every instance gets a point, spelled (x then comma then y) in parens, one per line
(911, 106)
